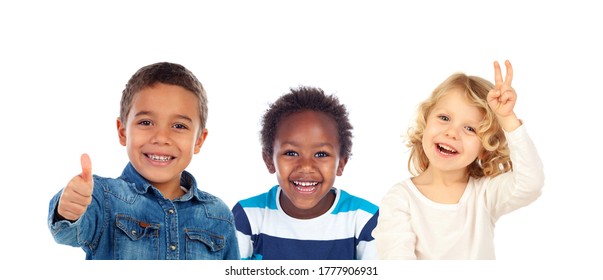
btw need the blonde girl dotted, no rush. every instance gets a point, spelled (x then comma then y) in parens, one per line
(472, 162)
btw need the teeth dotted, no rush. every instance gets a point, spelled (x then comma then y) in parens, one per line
(160, 158)
(447, 148)
(305, 184)
(305, 187)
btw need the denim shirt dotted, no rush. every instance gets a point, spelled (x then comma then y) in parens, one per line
(128, 218)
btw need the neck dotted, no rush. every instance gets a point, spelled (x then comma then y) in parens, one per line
(322, 207)
(444, 178)
(445, 187)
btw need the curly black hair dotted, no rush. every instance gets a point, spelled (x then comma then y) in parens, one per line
(300, 99)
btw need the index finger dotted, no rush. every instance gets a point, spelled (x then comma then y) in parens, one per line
(509, 76)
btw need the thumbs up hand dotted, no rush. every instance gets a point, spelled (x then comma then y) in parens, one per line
(77, 195)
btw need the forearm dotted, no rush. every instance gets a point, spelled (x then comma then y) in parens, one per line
(509, 123)
(524, 183)
(73, 233)
(528, 172)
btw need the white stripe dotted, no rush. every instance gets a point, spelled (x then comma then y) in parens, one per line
(325, 227)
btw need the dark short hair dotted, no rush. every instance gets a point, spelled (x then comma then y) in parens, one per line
(166, 73)
(306, 99)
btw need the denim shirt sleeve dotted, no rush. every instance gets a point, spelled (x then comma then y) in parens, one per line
(232, 250)
(223, 224)
(82, 232)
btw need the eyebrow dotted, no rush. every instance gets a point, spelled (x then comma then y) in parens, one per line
(179, 116)
(319, 145)
(185, 117)
(441, 110)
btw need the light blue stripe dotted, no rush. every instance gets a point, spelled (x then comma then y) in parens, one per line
(262, 201)
(349, 203)
(254, 257)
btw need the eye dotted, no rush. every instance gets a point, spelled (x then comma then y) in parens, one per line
(321, 154)
(470, 129)
(145, 122)
(180, 126)
(290, 153)
(443, 117)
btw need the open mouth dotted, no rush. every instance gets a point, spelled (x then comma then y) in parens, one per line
(446, 150)
(160, 158)
(305, 186)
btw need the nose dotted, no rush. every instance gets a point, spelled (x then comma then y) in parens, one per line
(161, 136)
(451, 132)
(306, 164)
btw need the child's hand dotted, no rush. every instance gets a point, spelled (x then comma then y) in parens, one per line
(77, 195)
(503, 97)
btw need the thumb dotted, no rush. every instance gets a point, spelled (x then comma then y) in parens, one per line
(493, 95)
(86, 168)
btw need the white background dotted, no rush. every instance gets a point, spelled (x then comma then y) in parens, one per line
(63, 65)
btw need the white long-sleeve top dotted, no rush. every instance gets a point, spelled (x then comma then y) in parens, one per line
(411, 226)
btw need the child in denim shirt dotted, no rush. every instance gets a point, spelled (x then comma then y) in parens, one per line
(154, 210)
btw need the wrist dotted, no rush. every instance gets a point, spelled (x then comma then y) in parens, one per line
(510, 122)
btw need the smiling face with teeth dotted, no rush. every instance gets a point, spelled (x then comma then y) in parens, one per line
(161, 134)
(449, 140)
(306, 160)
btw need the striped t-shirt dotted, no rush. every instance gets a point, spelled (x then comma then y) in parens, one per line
(265, 231)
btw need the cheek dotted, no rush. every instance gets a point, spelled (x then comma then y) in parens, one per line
(334, 166)
(130, 138)
(430, 130)
(475, 145)
(426, 140)
(282, 176)
(281, 167)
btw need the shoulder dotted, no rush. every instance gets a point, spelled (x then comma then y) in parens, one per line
(250, 212)
(211, 206)
(209, 199)
(399, 194)
(263, 200)
(348, 202)
(403, 188)
(118, 187)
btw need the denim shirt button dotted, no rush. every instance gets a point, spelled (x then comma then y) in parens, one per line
(173, 247)
(171, 211)
(133, 232)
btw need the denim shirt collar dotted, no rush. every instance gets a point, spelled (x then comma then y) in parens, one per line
(142, 185)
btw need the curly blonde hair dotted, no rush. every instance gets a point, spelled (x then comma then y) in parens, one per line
(495, 160)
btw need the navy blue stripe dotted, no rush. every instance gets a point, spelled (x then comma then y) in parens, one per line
(367, 231)
(241, 220)
(275, 248)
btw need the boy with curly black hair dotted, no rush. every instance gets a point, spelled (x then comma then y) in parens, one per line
(307, 141)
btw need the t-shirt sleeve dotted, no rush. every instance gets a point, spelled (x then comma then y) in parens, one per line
(523, 185)
(393, 234)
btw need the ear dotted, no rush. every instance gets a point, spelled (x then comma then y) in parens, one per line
(342, 162)
(121, 132)
(200, 140)
(269, 162)
(483, 154)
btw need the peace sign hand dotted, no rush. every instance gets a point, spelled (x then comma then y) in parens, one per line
(502, 98)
